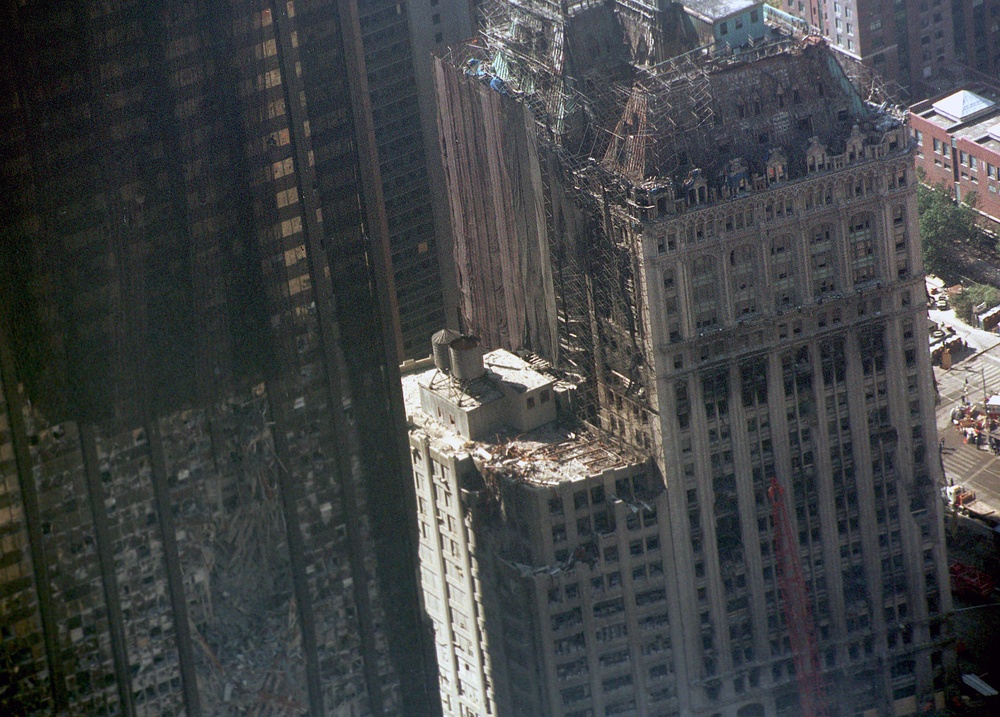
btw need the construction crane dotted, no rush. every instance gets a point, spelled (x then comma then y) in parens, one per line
(795, 603)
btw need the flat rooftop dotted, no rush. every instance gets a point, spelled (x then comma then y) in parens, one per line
(715, 10)
(549, 455)
(972, 114)
(505, 373)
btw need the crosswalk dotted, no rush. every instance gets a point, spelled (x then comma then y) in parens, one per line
(975, 469)
(964, 462)
(969, 377)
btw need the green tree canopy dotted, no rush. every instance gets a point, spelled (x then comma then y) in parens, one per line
(972, 297)
(946, 226)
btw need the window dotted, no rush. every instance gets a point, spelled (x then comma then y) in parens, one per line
(753, 16)
(724, 29)
(436, 19)
(862, 242)
(286, 197)
(937, 145)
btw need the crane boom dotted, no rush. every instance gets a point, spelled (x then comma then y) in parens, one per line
(795, 603)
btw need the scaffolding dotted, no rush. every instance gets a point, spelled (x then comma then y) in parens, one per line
(611, 136)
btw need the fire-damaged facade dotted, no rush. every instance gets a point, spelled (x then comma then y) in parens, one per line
(719, 247)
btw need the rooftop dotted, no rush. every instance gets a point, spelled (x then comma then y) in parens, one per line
(962, 106)
(554, 454)
(715, 10)
(506, 374)
(548, 455)
(979, 107)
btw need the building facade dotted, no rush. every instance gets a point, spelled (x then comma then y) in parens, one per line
(434, 28)
(910, 44)
(725, 253)
(958, 145)
(394, 48)
(204, 445)
(541, 553)
(977, 35)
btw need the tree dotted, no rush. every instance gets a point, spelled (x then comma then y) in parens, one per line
(974, 296)
(946, 227)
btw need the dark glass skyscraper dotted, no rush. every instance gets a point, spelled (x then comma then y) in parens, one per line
(201, 505)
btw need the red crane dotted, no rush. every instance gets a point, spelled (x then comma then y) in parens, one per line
(798, 616)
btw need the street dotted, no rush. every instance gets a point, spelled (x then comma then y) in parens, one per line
(978, 470)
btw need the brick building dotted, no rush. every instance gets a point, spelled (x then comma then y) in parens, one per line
(977, 35)
(958, 144)
(909, 43)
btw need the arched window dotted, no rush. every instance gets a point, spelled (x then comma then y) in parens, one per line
(822, 264)
(704, 298)
(783, 271)
(861, 240)
(671, 305)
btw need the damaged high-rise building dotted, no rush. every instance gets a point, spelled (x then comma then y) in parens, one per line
(500, 467)
(716, 244)
(202, 455)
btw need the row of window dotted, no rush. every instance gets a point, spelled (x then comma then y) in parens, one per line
(964, 158)
(738, 23)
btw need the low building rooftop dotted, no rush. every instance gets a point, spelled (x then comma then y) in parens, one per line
(962, 106)
(716, 10)
(549, 454)
(972, 113)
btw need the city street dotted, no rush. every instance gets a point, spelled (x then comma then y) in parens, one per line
(976, 469)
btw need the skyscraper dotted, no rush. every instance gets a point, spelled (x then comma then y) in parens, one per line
(203, 445)
(535, 535)
(721, 251)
